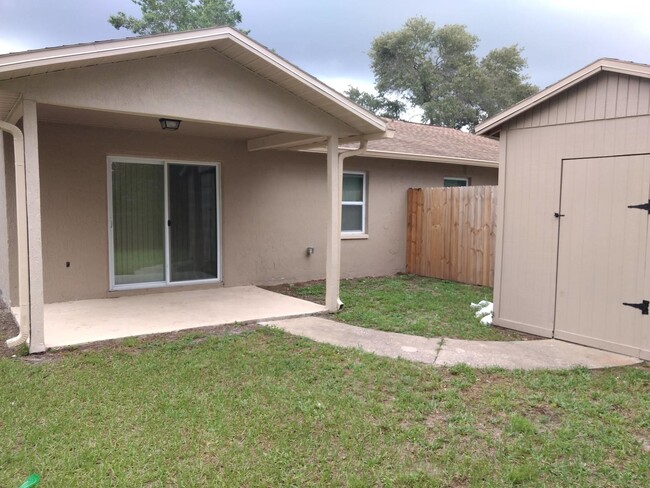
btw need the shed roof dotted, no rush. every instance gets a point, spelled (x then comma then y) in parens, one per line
(225, 40)
(492, 126)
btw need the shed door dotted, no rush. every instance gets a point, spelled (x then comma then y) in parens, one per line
(603, 254)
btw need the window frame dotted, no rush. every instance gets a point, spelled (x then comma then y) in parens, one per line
(455, 178)
(167, 283)
(362, 204)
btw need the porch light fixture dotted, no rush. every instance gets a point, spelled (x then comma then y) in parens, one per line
(170, 124)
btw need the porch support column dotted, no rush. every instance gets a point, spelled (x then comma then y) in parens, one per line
(333, 258)
(33, 190)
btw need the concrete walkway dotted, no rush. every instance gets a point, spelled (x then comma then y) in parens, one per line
(536, 354)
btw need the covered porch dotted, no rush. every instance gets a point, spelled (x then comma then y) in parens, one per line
(84, 321)
(74, 117)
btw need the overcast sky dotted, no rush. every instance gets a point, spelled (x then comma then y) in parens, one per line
(330, 38)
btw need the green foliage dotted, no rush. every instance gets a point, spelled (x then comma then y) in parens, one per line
(380, 105)
(161, 16)
(436, 69)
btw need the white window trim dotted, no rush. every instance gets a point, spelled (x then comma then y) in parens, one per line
(358, 234)
(111, 251)
(454, 178)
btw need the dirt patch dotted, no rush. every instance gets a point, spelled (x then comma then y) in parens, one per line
(291, 290)
(8, 329)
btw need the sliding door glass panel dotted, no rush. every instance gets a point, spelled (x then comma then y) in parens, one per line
(192, 222)
(138, 223)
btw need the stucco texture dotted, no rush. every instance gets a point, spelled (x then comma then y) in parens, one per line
(273, 207)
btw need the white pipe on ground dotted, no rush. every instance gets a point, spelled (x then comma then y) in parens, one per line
(21, 227)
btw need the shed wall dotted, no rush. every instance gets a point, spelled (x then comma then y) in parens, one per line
(531, 162)
(273, 208)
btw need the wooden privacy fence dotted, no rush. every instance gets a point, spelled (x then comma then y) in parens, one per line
(451, 233)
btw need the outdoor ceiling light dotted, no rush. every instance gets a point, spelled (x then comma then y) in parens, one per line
(170, 124)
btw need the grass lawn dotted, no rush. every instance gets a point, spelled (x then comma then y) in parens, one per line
(411, 305)
(262, 408)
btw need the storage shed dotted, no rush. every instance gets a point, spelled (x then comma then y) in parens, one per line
(573, 252)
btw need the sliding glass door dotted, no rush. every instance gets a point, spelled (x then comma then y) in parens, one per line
(192, 222)
(164, 220)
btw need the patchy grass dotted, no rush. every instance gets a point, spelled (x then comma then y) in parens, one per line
(411, 305)
(267, 409)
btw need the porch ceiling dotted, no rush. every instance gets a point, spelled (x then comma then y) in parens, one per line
(114, 120)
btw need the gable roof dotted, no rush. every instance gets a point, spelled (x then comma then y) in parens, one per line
(492, 126)
(227, 41)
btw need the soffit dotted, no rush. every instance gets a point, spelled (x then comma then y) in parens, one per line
(113, 120)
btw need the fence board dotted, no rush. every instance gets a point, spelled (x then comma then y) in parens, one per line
(451, 233)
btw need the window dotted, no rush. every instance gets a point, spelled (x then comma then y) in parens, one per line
(353, 215)
(448, 182)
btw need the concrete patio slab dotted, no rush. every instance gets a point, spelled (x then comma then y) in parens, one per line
(536, 354)
(84, 321)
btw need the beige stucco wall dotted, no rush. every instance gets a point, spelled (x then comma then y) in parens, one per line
(193, 86)
(274, 207)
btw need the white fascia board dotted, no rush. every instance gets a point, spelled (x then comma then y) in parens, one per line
(105, 49)
(309, 80)
(370, 153)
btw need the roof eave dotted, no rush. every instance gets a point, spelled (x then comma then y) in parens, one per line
(138, 45)
(492, 126)
(429, 158)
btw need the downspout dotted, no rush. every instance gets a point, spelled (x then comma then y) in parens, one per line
(21, 228)
(363, 145)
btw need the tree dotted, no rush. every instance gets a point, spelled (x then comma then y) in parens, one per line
(380, 105)
(160, 16)
(437, 70)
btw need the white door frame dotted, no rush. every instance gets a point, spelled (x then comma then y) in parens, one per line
(111, 245)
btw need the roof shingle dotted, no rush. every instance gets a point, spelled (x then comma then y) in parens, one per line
(422, 139)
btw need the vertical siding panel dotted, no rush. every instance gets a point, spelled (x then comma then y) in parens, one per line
(560, 101)
(612, 95)
(632, 97)
(590, 98)
(552, 112)
(644, 97)
(601, 97)
(581, 99)
(571, 105)
(622, 95)
(543, 114)
(535, 122)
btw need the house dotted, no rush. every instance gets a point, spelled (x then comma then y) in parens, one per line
(187, 159)
(572, 243)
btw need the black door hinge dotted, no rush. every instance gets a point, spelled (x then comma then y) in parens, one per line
(642, 206)
(643, 306)
(558, 215)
